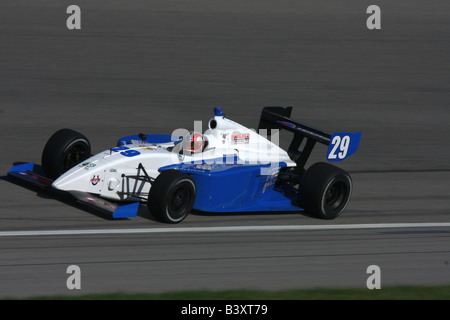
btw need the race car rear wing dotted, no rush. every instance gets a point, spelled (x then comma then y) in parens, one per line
(280, 118)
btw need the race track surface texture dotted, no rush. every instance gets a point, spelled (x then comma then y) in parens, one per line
(154, 66)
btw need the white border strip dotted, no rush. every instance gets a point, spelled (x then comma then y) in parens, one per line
(222, 229)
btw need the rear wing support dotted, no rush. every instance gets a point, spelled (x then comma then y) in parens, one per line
(280, 118)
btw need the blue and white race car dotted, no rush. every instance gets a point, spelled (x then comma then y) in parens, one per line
(228, 168)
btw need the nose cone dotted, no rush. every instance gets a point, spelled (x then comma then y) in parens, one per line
(88, 176)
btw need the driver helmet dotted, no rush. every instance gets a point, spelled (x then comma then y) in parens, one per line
(194, 142)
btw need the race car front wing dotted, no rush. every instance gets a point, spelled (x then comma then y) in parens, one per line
(24, 172)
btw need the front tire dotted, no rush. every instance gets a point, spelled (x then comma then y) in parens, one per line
(171, 196)
(325, 190)
(65, 149)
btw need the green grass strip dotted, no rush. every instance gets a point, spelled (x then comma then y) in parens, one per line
(388, 293)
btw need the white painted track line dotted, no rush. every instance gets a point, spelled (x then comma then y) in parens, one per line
(222, 229)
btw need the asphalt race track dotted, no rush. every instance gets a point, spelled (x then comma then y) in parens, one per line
(155, 66)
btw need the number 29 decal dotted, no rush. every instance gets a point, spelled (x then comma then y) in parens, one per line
(342, 145)
(126, 152)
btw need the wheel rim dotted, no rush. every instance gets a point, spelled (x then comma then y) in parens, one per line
(180, 201)
(75, 154)
(335, 195)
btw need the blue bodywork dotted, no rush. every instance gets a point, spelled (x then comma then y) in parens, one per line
(230, 187)
(126, 211)
(223, 187)
(22, 167)
(149, 138)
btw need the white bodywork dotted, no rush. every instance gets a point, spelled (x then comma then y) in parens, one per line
(112, 175)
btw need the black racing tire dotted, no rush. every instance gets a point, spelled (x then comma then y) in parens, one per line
(324, 190)
(65, 149)
(171, 196)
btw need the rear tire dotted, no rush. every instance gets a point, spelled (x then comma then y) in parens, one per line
(171, 196)
(325, 190)
(65, 149)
